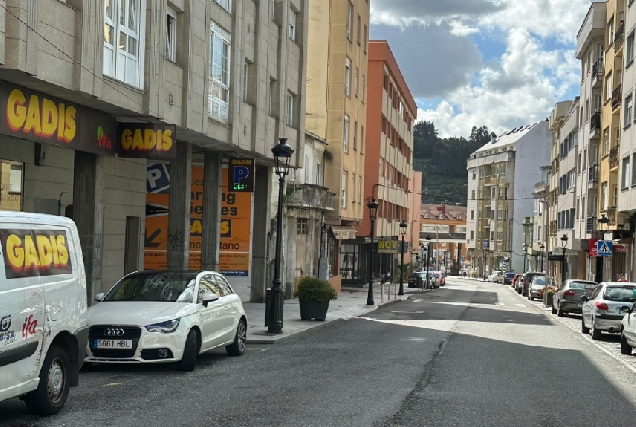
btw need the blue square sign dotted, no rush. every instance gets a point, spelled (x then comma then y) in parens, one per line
(604, 247)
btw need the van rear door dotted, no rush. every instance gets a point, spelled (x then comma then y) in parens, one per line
(22, 308)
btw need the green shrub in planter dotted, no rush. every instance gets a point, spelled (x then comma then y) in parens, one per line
(313, 297)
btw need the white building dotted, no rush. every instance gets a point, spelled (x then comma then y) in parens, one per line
(501, 178)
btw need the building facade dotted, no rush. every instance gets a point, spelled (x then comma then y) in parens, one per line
(501, 177)
(443, 229)
(123, 116)
(336, 110)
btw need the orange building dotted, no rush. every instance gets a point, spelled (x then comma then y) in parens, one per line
(444, 227)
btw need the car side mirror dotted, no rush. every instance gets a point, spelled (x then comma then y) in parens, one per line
(100, 297)
(208, 298)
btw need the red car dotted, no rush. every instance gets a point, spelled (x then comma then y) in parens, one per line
(514, 279)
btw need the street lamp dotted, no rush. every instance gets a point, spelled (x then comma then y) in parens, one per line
(525, 257)
(603, 220)
(373, 210)
(282, 156)
(403, 226)
(428, 255)
(541, 248)
(564, 242)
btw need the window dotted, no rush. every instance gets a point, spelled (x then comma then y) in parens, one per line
(349, 20)
(124, 22)
(610, 31)
(357, 80)
(604, 196)
(472, 214)
(225, 4)
(245, 80)
(364, 88)
(355, 135)
(627, 117)
(292, 25)
(614, 195)
(472, 234)
(364, 41)
(301, 226)
(630, 49)
(171, 35)
(606, 142)
(627, 174)
(345, 138)
(345, 180)
(291, 104)
(306, 168)
(272, 10)
(319, 174)
(361, 139)
(633, 178)
(272, 92)
(348, 77)
(474, 174)
(360, 190)
(219, 96)
(608, 87)
(473, 192)
(353, 188)
(359, 29)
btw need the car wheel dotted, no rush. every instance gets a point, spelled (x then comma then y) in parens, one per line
(238, 347)
(596, 333)
(52, 390)
(530, 297)
(625, 348)
(584, 329)
(190, 351)
(554, 310)
(560, 311)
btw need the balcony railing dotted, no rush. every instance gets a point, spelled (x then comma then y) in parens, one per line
(619, 38)
(597, 69)
(592, 174)
(309, 196)
(595, 123)
(616, 97)
(614, 155)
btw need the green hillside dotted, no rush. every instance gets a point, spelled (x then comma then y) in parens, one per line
(443, 161)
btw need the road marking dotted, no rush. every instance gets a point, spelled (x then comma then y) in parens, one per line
(409, 312)
(112, 384)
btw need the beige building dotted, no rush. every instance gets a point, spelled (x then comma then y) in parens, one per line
(336, 99)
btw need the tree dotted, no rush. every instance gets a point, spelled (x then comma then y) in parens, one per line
(480, 135)
(425, 138)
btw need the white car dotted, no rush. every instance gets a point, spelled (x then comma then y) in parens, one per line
(605, 308)
(166, 316)
(628, 327)
(493, 276)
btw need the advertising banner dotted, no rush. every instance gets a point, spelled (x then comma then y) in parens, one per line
(236, 217)
(35, 253)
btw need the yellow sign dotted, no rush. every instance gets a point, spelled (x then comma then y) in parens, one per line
(387, 246)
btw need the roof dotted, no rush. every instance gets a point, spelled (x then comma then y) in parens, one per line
(443, 212)
(508, 138)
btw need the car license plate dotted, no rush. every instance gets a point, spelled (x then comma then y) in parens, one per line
(112, 344)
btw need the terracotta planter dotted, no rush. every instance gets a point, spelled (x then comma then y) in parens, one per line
(313, 309)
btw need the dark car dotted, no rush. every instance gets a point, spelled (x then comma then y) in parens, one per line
(417, 280)
(525, 281)
(568, 298)
(507, 280)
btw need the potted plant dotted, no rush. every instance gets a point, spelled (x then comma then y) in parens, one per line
(548, 295)
(314, 295)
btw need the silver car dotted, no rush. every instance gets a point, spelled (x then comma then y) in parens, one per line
(604, 309)
(537, 284)
(568, 298)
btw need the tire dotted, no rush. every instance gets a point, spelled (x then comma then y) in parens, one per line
(237, 348)
(53, 388)
(584, 329)
(596, 333)
(554, 310)
(560, 312)
(191, 349)
(530, 298)
(625, 348)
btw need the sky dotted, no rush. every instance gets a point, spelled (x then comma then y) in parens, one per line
(499, 63)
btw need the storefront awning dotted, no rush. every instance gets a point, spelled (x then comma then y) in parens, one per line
(343, 232)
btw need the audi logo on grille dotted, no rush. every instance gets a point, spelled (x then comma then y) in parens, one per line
(114, 332)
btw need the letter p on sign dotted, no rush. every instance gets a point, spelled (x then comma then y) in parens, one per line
(241, 174)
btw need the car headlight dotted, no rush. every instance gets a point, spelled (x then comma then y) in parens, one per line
(165, 327)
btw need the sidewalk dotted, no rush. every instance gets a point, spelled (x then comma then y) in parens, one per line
(351, 302)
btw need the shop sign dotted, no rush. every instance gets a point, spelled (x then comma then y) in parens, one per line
(148, 140)
(235, 227)
(387, 246)
(592, 246)
(241, 175)
(30, 253)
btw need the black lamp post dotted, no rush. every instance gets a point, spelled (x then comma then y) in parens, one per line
(603, 220)
(373, 210)
(564, 242)
(403, 226)
(541, 248)
(525, 257)
(282, 156)
(428, 257)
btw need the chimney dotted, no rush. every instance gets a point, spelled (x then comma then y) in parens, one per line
(493, 139)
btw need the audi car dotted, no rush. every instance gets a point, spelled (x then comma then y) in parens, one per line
(166, 316)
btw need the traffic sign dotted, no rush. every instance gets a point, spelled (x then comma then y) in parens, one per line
(604, 247)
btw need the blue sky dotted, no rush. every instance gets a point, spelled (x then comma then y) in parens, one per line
(499, 63)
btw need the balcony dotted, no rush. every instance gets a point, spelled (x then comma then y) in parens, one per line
(614, 157)
(592, 176)
(597, 74)
(488, 180)
(309, 196)
(619, 38)
(595, 125)
(616, 97)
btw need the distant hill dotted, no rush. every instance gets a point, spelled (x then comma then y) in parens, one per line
(443, 162)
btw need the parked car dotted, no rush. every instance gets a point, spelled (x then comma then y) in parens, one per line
(515, 280)
(535, 288)
(628, 330)
(442, 277)
(523, 286)
(493, 276)
(417, 280)
(567, 299)
(166, 316)
(508, 277)
(604, 309)
(42, 309)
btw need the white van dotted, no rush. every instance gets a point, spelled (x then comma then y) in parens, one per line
(43, 331)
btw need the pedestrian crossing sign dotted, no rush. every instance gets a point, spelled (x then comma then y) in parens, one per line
(604, 247)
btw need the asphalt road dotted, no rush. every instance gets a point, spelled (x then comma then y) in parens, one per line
(470, 354)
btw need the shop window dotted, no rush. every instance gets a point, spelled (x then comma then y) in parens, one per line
(11, 178)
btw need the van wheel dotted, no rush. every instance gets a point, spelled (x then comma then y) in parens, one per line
(52, 390)
(189, 358)
(625, 348)
(584, 329)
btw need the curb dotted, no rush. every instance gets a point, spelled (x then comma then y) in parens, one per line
(321, 325)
